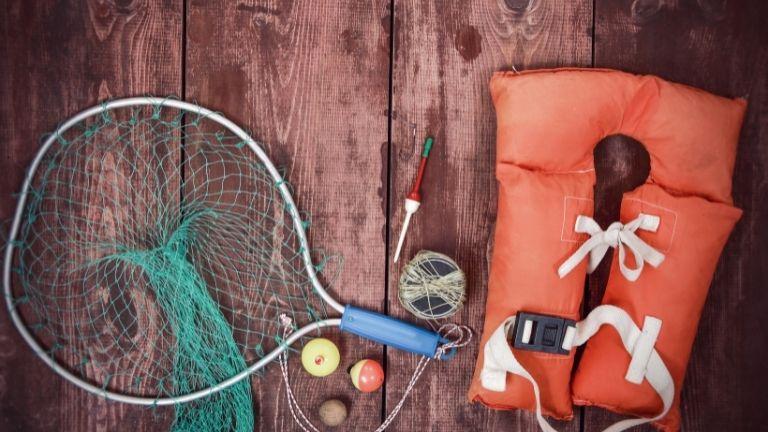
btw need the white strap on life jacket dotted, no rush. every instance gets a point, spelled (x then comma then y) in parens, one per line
(645, 364)
(619, 236)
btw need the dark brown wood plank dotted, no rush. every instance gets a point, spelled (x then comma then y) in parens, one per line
(310, 80)
(445, 53)
(720, 47)
(58, 58)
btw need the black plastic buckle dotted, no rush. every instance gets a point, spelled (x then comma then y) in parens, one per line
(547, 333)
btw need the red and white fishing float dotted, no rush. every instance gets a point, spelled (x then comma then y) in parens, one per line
(367, 375)
(413, 201)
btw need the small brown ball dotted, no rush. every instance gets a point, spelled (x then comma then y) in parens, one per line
(333, 412)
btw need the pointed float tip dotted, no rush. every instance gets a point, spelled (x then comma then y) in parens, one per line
(427, 147)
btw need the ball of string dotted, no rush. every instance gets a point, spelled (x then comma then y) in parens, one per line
(432, 286)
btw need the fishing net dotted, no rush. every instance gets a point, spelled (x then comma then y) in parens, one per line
(155, 257)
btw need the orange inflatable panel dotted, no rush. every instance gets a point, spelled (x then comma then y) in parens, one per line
(669, 238)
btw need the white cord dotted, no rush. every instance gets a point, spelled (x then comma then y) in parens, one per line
(460, 336)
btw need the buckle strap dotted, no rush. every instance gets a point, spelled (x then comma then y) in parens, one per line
(617, 235)
(646, 362)
(543, 333)
(498, 360)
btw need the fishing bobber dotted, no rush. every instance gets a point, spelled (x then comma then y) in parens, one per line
(320, 357)
(333, 412)
(413, 200)
(367, 375)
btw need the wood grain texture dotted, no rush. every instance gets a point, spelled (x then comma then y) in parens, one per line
(310, 80)
(58, 58)
(719, 46)
(444, 55)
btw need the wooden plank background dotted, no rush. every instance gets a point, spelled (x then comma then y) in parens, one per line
(343, 92)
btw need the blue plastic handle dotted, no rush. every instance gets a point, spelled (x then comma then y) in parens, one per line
(390, 331)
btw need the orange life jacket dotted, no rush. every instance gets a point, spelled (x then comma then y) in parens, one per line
(669, 238)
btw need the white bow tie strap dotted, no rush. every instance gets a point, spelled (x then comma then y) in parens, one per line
(620, 236)
(646, 362)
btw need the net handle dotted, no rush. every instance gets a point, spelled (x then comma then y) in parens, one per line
(279, 183)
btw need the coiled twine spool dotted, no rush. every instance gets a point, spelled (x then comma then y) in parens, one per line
(432, 286)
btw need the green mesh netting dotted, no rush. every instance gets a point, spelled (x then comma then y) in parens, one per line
(155, 256)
